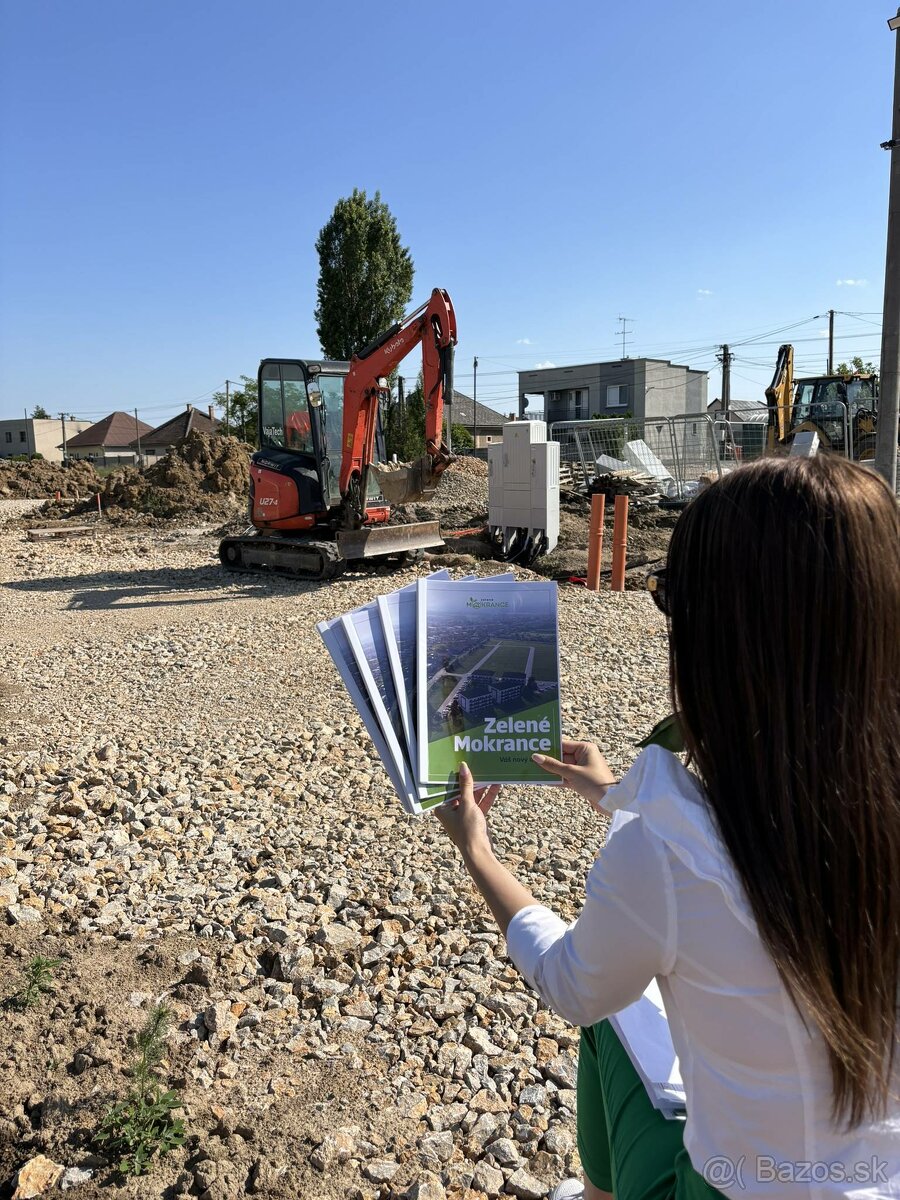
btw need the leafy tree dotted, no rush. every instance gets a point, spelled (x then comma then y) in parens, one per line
(857, 367)
(462, 437)
(242, 411)
(39, 413)
(365, 275)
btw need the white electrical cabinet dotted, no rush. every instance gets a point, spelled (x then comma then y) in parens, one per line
(523, 490)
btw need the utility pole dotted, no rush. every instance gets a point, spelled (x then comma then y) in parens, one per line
(725, 359)
(474, 403)
(227, 425)
(889, 400)
(65, 446)
(137, 429)
(830, 370)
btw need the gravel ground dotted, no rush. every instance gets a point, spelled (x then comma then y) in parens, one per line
(190, 807)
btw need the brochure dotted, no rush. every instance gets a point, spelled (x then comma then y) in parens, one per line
(487, 666)
(643, 1029)
(336, 642)
(398, 621)
(366, 638)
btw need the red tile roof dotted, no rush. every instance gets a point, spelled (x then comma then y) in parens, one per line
(116, 430)
(175, 429)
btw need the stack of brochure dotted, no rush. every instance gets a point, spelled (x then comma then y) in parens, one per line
(448, 671)
(643, 1030)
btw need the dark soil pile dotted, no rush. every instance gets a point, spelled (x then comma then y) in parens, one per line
(37, 479)
(204, 476)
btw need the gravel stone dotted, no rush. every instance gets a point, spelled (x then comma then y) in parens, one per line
(212, 788)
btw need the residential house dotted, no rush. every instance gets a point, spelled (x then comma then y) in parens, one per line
(108, 442)
(628, 387)
(745, 434)
(160, 441)
(485, 424)
(37, 435)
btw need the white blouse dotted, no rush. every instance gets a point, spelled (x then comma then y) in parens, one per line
(663, 900)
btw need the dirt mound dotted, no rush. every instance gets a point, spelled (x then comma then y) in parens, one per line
(37, 479)
(204, 476)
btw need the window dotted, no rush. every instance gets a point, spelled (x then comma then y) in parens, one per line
(272, 432)
(617, 395)
(23, 436)
(578, 397)
(331, 401)
(285, 413)
(9, 435)
(297, 427)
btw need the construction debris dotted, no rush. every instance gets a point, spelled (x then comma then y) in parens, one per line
(49, 532)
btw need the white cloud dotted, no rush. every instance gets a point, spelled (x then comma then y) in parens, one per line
(543, 366)
(703, 292)
(523, 341)
(852, 282)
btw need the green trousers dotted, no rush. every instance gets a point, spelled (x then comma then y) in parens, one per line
(626, 1145)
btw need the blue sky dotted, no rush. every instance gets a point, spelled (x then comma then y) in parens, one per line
(711, 171)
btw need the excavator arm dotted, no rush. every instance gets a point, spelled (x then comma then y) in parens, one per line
(780, 397)
(434, 326)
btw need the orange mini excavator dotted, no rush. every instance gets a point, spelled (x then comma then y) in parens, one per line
(320, 492)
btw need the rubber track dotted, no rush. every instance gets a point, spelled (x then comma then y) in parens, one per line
(330, 562)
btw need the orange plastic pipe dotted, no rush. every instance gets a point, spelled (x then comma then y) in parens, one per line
(595, 542)
(620, 541)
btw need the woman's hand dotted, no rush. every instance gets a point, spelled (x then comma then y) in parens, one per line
(583, 769)
(465, 818)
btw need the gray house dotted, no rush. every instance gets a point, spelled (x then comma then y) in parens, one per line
(485, 424)
(628, 387)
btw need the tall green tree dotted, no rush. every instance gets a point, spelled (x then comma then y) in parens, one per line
(39, 413)
(365, 275)
(240, 419)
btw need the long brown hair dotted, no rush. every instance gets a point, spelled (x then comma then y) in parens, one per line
(783, 584)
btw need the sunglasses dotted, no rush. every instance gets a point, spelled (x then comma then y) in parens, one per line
(656, 586)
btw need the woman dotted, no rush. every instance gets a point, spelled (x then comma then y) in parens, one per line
(762, 893)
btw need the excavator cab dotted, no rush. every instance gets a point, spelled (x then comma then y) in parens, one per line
(301, 412)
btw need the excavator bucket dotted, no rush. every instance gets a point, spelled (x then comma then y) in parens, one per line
(389, 539)
(406, 483)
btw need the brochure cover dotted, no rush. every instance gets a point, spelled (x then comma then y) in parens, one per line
(398, 621)
(366, 638)
(338, 646)
(488, 680)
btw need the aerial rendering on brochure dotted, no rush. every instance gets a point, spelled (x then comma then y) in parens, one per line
(488, 680)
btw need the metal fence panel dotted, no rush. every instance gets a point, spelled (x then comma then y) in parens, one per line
(675, 451)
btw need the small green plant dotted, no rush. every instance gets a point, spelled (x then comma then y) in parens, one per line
(37, 980)
(144, 1123)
